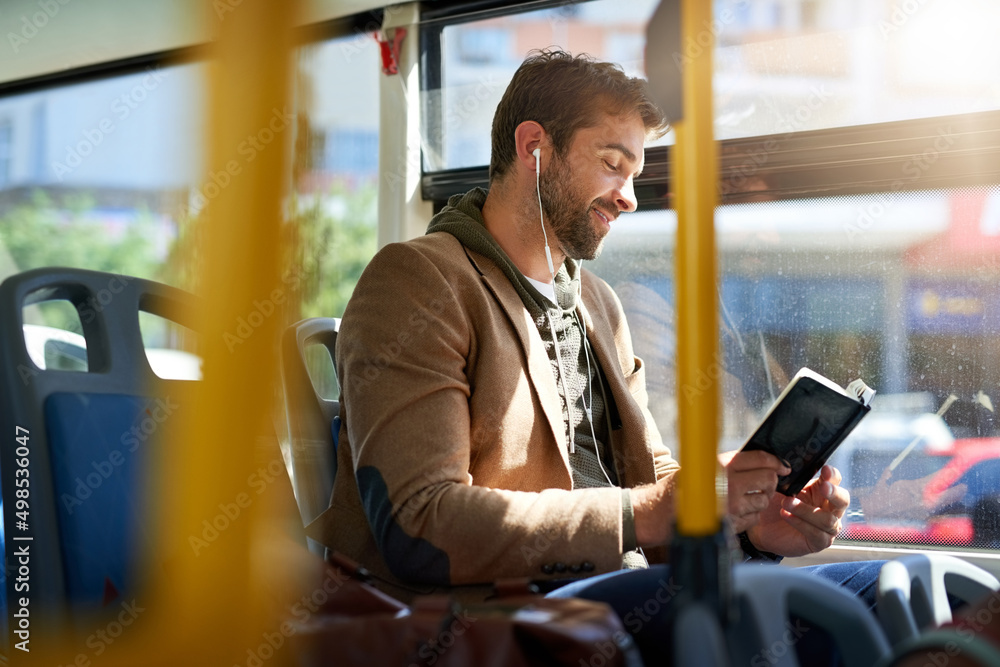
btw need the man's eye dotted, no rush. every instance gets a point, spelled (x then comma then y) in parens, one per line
(611, 166)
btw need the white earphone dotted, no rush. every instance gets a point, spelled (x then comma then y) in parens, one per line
(555, 339)
(538, 171)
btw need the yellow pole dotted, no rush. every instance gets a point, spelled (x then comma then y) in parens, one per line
(203, 603)
(695, 174)
(212, 600)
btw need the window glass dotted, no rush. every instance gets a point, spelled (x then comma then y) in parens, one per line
(111, 175)
(57, 344)
(899, 289)
(479, 58)
(335, 175)
(780, 65)
(5, 151)
(98, 175)
(95, 175)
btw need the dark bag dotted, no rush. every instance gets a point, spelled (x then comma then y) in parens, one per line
(362, 626)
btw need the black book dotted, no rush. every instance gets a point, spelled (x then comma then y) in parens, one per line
(807, 422)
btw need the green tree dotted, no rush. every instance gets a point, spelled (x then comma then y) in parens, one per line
(327, 243)
(336, 237)
(42, 234)
(45, 233)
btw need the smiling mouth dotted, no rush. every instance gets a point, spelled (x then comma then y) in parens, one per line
(603, 216)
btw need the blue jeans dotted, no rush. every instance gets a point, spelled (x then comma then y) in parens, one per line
(630, 592)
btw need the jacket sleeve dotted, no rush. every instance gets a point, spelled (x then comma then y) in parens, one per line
(402, 357)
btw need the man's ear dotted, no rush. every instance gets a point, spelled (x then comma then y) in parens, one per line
(528, 136)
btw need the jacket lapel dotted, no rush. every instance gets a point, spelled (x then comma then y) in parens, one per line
(539, 370)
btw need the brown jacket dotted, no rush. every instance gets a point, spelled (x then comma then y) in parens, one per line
(452, 463)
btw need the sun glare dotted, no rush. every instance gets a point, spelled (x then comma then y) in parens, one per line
(945, 43)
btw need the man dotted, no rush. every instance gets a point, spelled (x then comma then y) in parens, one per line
(495, 419)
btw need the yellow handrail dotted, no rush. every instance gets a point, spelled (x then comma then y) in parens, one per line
(204, 605)
(213, 599)
(695, 173)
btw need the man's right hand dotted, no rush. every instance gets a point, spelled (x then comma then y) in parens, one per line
(753, 478)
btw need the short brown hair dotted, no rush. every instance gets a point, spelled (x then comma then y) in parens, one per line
(564, 93)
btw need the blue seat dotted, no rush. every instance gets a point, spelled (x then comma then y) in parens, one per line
(313, 421)
(88, 437)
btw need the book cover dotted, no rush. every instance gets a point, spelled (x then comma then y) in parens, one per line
(807, 422)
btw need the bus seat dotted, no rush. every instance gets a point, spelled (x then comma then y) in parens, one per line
(313, 420)
(88, 434)
(698, 637)
(771, 596)
(914, 591)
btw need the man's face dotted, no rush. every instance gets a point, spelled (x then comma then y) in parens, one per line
(586, 189)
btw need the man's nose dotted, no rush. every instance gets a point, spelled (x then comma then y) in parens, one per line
(625, 198)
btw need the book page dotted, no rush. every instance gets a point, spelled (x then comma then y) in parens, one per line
(827, 382)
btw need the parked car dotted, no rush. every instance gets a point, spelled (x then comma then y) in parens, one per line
(57, 349)
(958, 505)
(881, 436)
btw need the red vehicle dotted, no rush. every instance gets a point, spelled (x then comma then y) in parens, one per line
(959, 505)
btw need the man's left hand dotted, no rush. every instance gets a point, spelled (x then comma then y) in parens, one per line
(805, 523)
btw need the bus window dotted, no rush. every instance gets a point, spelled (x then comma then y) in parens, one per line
(900, 301)
(780, 67)
(335, 172)
(100, 175)
(479, 57)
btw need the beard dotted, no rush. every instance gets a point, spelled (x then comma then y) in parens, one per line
(568, 212)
